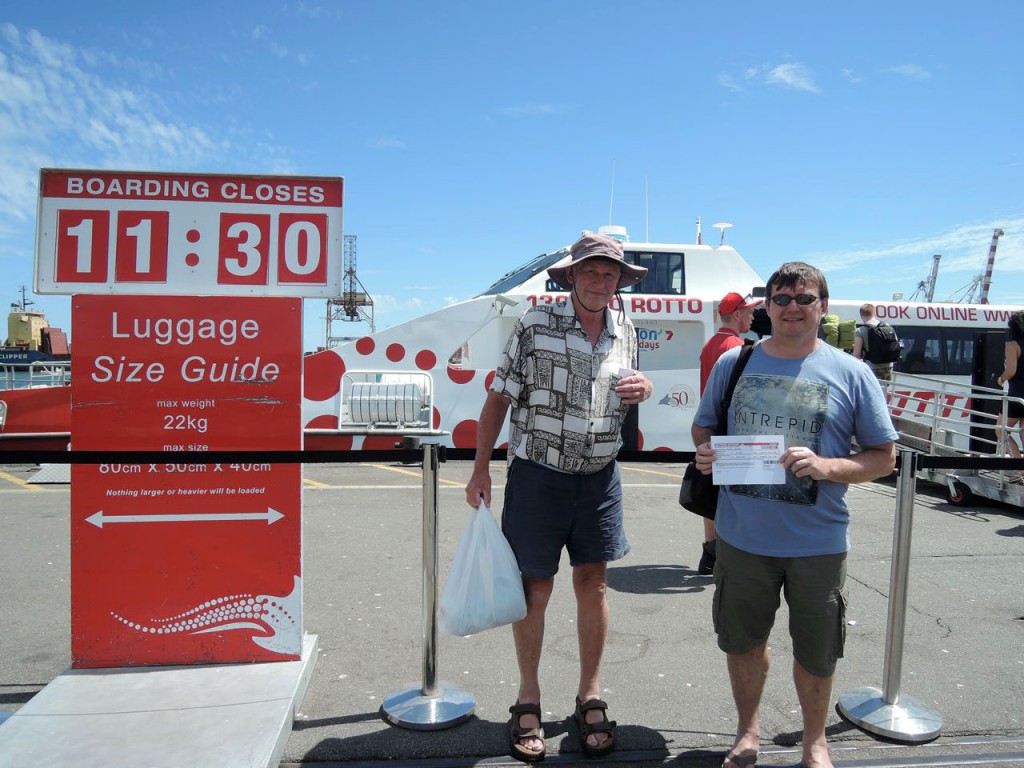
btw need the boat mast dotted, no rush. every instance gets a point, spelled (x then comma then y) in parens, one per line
(25, 303)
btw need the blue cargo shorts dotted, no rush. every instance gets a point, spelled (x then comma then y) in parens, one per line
(546, 510)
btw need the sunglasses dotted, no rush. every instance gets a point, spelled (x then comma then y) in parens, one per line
(803, 299)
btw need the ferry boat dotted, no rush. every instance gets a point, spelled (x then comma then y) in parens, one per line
(430, 375)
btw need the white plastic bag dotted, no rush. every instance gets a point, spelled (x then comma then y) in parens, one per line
(484, 588)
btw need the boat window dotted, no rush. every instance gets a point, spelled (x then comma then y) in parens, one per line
(959, 343)
(664, 273)
(521, 274)
(921, 350)
(936, 351)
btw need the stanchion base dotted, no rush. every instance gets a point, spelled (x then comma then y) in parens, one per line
(906, 720)
(410, 708)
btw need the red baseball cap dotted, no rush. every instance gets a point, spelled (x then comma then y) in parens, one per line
(733, 301)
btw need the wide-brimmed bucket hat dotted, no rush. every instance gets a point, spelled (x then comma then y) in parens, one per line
(598, 247)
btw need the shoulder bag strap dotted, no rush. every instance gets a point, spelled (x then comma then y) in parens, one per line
(737, 371)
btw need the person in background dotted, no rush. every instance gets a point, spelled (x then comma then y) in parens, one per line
(569, 373)
(736, 313)
(1013, 372)
(792, 537)
(861, 342)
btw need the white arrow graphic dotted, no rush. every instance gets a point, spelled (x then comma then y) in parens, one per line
(270, 516)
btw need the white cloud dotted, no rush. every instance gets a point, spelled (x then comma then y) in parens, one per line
(964, 252)
(791, 75)
(261, 35)
(728, 83)
(532, 109)
(60, 109)
(850, 75)
(909, 71)
(386, 142)
(795, 76)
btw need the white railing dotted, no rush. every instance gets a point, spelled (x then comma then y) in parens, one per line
(945, 418)
(40, 374)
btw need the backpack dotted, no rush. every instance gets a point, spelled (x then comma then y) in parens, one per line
(882, 345)
(829, 330)
(847, 331)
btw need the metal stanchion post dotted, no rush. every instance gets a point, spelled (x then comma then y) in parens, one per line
(433, 705)
(888, 712)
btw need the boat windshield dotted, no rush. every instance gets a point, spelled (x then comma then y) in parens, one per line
(521, 274)
(665, 273)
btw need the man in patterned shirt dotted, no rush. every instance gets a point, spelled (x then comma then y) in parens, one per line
(569, 373)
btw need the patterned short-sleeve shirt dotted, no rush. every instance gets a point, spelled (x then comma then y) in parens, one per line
(565, 412)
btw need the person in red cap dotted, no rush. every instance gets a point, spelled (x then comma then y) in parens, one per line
(569, 375)
(736, 313)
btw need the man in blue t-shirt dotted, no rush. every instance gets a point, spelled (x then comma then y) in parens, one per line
(792, 536)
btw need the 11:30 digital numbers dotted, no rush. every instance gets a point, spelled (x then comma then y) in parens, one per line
(141, 253)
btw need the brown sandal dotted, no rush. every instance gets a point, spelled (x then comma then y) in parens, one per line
(517, 733)
(604, 725)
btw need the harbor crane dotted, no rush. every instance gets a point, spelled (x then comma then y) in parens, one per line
(976, 292)
(354, 304)
(926, 288)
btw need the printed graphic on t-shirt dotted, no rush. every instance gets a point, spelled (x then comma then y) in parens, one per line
(779, 405)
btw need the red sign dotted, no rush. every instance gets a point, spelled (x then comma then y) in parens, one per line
(125, 232)
(176, 562)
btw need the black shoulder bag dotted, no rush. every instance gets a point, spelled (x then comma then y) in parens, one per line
(698, 493)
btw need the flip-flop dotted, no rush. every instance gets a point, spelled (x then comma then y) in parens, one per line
(604, 725)
(746, 761)
(517, 733)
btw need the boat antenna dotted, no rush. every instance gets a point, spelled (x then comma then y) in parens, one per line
(722, 225)
(647, 211)
(700, 240)
(611, 196)
(25, 303)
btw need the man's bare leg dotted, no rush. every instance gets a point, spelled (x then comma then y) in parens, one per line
(590, 584)
(815, 694)
(747, 674)
(529, 640)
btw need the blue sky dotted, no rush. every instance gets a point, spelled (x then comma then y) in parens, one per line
(862, 137)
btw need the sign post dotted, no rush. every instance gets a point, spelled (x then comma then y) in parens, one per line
(187, 336)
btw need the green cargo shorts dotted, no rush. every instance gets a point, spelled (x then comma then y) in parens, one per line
(747, 597)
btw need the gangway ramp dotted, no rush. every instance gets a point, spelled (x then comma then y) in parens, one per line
(197, 716)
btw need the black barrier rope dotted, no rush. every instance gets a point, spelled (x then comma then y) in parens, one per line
(411, 455)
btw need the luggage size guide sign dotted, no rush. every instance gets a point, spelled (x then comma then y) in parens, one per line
(124, 232)
(176, 562)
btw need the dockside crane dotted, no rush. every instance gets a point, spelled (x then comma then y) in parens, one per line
(926, 288)
(986, 281)
(355, 304)
(977, 291)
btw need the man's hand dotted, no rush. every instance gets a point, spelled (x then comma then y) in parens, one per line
(479, 487)
(634, 389)
(705, 457)
(803, 462)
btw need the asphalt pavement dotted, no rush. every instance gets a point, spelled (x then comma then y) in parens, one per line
(663, 676)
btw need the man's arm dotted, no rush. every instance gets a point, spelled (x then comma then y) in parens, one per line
(492, 417)
(873, 462)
